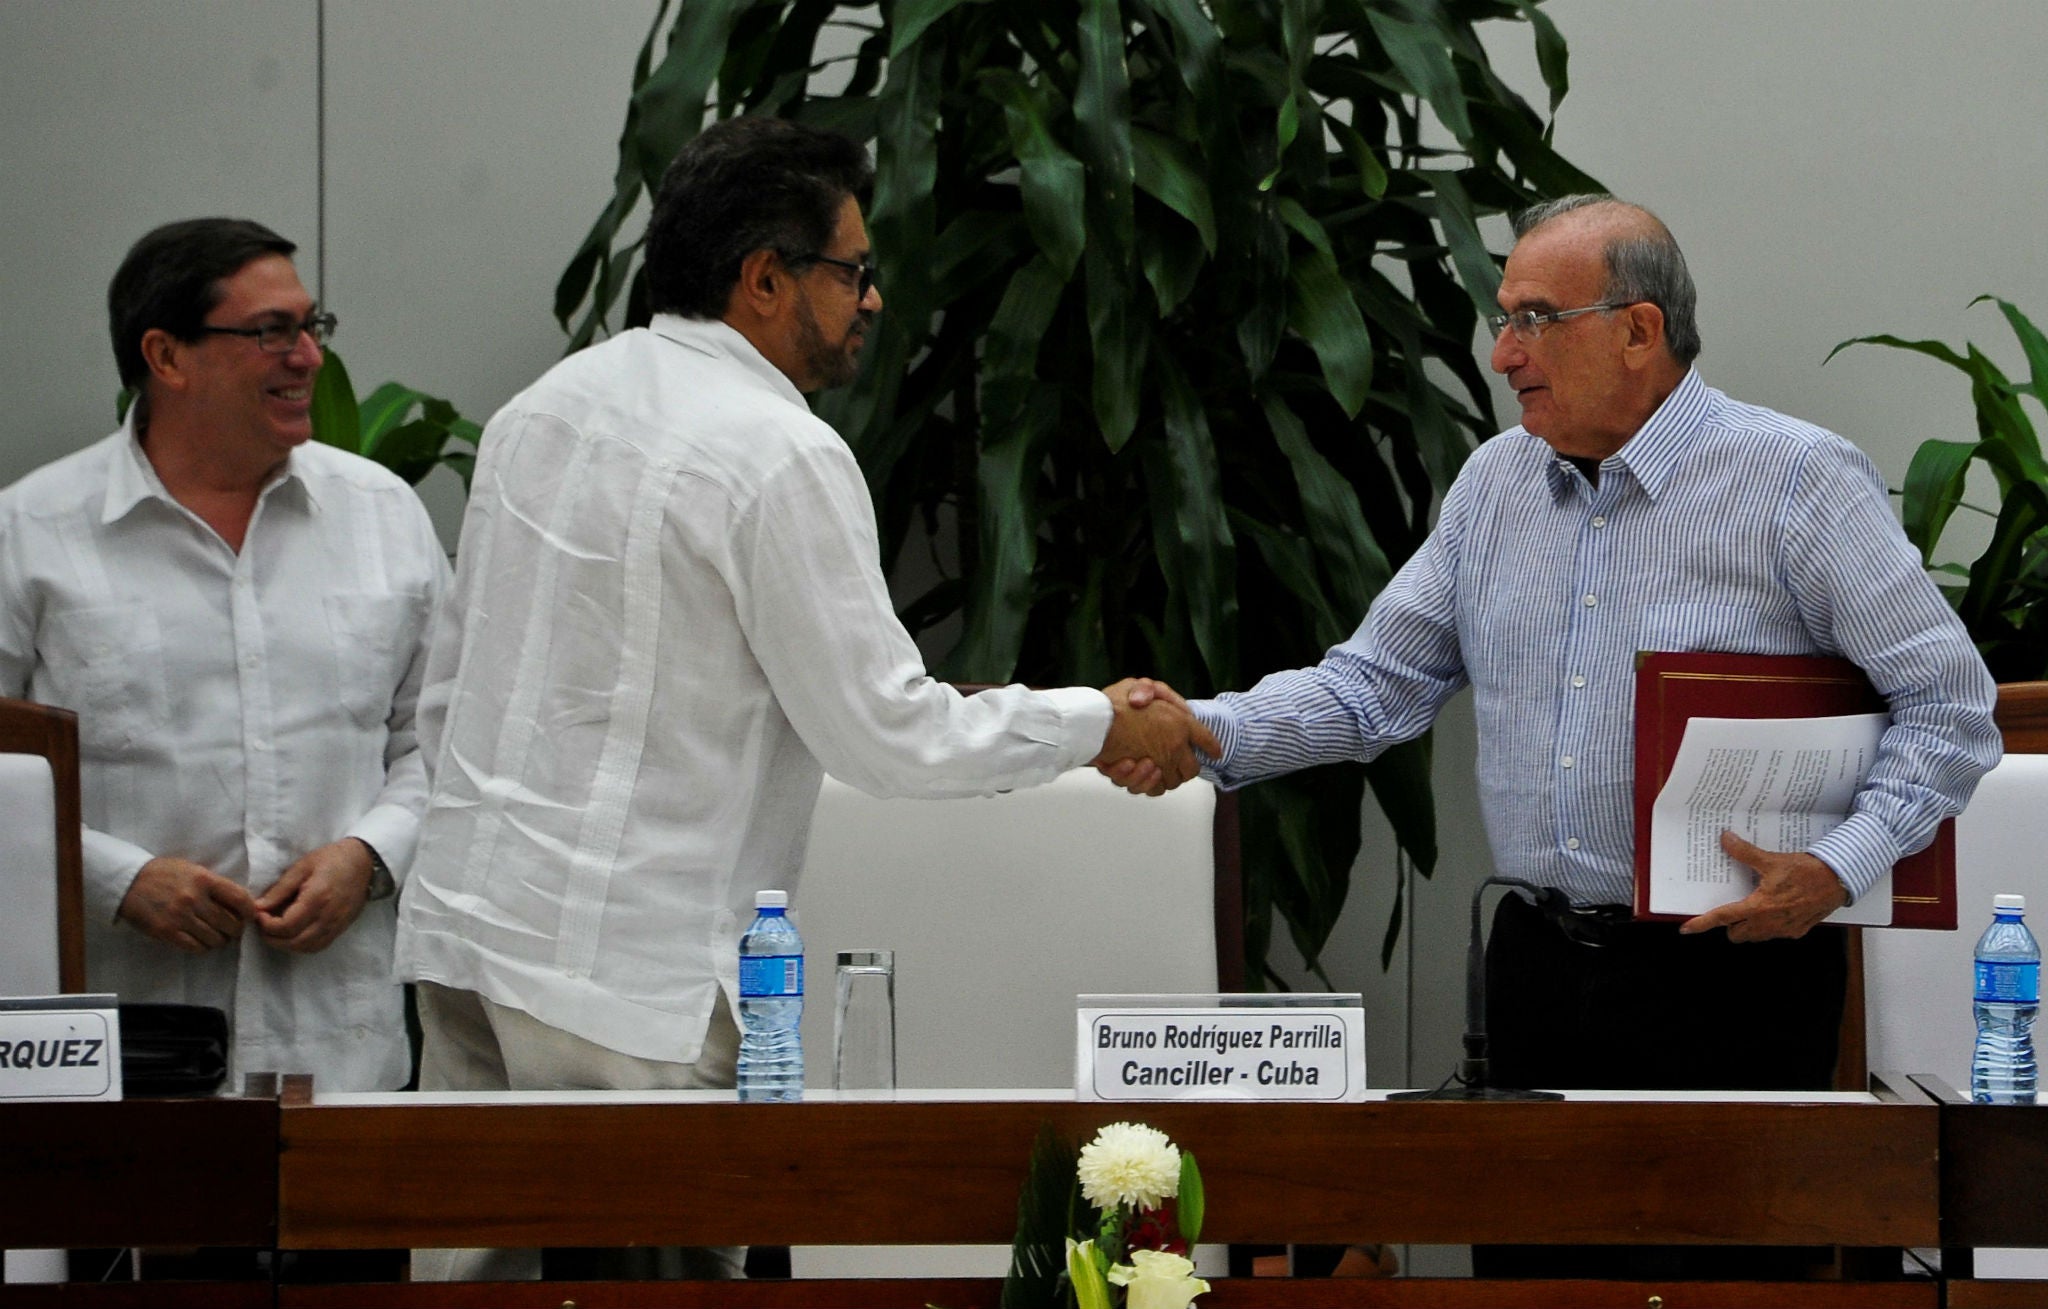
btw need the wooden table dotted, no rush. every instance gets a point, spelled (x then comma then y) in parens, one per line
(1994, 1191)
(305, 1172)
(703, 1171)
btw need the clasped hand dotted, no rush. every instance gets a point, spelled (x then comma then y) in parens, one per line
(195, 909)
(1153, 738)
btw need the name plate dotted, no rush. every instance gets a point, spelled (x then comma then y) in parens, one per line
(60, 1047)
(1226, 1047)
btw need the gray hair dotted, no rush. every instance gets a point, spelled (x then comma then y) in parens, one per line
(1641, 266)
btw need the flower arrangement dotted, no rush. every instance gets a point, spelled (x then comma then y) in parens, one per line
(1146, 1194)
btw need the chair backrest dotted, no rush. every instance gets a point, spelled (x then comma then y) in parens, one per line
(1000, 910)
(1918, 983)
(42, 934)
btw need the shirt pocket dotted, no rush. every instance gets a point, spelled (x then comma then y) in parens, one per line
(1722, 629)
(374, 635)
(107, 662)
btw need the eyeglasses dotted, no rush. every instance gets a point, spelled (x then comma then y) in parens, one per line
(1529, 323)
(866, 271)
(279, 338)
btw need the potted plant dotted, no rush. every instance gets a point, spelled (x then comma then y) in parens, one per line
(1178, 353)
(1998, 595)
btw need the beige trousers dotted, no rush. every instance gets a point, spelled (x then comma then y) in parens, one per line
(475, 1044)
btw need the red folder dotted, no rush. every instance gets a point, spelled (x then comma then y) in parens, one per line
(1672, 688)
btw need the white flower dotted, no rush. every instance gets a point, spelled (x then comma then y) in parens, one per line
(1155, 1279)
(1129, 1164)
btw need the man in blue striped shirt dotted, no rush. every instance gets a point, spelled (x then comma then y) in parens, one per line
(1636, 508)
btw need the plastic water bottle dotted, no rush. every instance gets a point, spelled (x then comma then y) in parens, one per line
(771, 1065)
(2008, 993)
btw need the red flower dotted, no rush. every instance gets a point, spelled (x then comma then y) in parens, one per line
(1155, 1229)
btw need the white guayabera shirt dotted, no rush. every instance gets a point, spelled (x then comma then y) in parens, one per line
(236, 710)
(671, 613)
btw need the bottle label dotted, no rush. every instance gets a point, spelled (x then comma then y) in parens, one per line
(768, 976)
(2001, 982)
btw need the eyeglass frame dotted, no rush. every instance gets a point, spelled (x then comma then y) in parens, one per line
(283, 337)
(865, 269)
(1538, 320)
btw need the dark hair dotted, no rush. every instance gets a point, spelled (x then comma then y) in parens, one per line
(171, 280)
(745, 184)
(1646, 266)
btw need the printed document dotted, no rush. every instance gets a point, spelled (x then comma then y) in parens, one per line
(1781, 783)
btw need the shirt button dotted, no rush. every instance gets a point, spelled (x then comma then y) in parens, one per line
(1578, 680)
(1571, 843)
(1599, 520)
(1566, 762)
(1590, 600)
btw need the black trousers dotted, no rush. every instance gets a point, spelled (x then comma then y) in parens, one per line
(1648, 1009)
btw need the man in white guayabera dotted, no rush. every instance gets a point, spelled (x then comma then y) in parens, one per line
(239, 615)
(671, 617)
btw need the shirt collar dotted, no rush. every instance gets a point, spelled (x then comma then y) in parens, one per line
(721, 340)
(132, 479)
(1654, 453)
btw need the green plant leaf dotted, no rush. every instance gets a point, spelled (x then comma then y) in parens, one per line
(1934, 487)
(334, 412)
(1320, 307)
(1932, 349)
(1102, 99)
(2031, 341)
(1290, 560)
(1335, 523)
(1372, 173)
(913, 17)
(974, 248)
(1166, 169)
(904, 217)
(1425, 64)
(1190, 1204)
(670, 102)
(1551, 57)
(1001, 602)
(627, 182)
(1054, 183)
(1460, 224)
(382, 410)
(2022, 517)
(1038, 1254)
(1120, 344)
(1186, 495)
(1401, 783)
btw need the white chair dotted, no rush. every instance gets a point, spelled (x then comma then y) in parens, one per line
(41, 942)
(1000, 911)
(41, 947)
(1918, 983)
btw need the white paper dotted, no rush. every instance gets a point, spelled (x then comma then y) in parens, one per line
(1781, 783)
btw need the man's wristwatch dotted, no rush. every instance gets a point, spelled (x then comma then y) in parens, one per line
(382, 885)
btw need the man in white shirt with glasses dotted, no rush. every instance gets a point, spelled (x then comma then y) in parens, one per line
(239, 617)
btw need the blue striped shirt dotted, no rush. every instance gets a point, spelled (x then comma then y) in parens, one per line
(1718, 527)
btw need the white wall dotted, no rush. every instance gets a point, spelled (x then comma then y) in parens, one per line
(1832, 167)
(469, 144)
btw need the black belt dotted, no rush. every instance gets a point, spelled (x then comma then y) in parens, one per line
(1596, 925)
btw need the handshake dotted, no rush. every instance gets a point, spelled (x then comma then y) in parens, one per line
(1152, 739)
